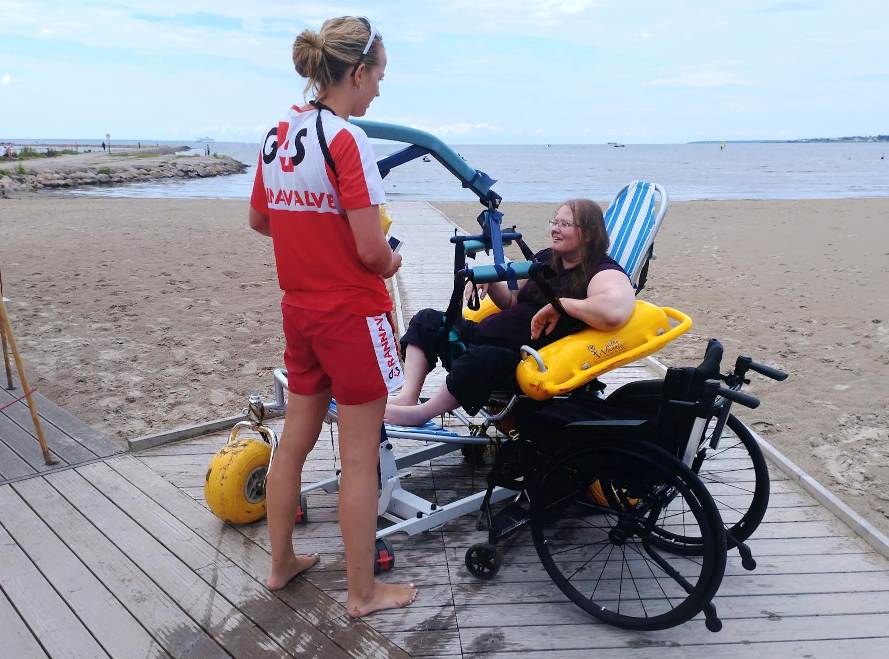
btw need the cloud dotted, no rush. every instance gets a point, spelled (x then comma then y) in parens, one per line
(791, 6)
(456, 129)
(5, 80)
(199, 19)
(702, 78)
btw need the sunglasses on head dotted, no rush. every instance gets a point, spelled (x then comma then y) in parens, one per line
(370, 42)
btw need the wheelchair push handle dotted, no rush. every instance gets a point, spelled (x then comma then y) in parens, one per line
(762, 369)
(739, 397)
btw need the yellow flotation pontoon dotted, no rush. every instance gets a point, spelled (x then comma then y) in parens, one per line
(571, 362)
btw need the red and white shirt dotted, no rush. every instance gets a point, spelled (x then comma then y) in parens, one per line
(317, 260)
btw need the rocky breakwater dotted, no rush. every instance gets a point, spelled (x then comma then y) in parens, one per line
(85, 169)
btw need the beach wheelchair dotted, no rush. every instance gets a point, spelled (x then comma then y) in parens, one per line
(615, 488)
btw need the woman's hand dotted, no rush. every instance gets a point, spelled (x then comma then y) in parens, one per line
(544, 321)
(482, 291)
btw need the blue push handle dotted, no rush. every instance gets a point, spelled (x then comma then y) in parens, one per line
(476, 180)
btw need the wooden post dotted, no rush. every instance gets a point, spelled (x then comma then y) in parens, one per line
(23, 381)
(9, 384)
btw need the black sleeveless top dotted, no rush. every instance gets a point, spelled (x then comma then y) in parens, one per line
(511, 327)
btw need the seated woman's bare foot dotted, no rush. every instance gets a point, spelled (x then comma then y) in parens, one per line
(385, 596)
(405, 415)
(283, 574)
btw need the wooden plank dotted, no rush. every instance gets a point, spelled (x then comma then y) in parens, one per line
(752, 649)
(245, 592)
(749, 585)
(310, 602)
(17, 639)
(88, 437)
(62, 444)
(528, 572)
(11, 464)
(767, 608)
(108, 621)
(598, 635)
(164, 620)
(48, 616)
(25, 445)
(222, 621)
(428, 642)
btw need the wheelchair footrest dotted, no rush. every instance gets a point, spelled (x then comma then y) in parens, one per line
(510, 519)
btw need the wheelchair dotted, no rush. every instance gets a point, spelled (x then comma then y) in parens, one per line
(632, 499)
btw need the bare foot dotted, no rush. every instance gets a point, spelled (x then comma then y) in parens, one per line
(405, 415)
(284, 574)
(385, 596)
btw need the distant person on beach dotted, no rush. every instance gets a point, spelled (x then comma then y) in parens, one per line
(593, 289)
(317, 194)
(103, 146)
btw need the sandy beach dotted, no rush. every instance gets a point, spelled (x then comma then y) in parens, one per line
(144, 315)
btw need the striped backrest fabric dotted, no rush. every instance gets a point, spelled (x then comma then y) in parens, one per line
(631, 224)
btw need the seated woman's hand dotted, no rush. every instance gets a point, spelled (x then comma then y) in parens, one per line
(482, 291)
(544, 321)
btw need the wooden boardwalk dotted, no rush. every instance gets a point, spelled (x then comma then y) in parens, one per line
(118, 556)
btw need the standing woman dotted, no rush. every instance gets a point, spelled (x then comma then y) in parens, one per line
(317, 194)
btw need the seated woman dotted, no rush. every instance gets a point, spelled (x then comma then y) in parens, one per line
(591, 287)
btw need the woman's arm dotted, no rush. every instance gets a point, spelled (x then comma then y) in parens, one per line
(608, 305)
(373, 250)
(259, 222)
(500, 293)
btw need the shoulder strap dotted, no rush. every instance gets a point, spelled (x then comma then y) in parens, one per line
(322, 141)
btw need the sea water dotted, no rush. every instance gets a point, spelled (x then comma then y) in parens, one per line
(557, 172)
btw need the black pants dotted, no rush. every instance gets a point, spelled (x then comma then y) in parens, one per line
(475, 374)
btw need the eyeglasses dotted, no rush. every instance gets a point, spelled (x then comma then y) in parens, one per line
(562, 224)
(370, 42)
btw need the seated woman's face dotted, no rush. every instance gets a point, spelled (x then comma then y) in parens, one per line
(564, 232)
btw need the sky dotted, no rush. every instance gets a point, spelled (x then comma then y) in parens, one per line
(470, 71)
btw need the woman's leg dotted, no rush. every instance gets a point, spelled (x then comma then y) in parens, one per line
(416, 415)
(359, 427)
(416, 368)
(302, 425)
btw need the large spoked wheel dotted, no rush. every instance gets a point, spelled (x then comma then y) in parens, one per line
(735, 472)
(603, 557)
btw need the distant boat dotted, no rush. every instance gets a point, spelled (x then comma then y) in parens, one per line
(617, 145)
(427, 159)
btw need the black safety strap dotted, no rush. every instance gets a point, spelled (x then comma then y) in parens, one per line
(322, 141)
(540, 272)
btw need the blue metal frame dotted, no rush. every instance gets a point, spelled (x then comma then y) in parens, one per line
(492, 238)
(423, 143)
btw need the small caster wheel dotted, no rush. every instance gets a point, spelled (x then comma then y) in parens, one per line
(711, 619)
(302, 511)
(384, 556)
(748, 563)
(483, 560)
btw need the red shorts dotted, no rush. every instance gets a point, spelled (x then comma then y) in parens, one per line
(356, 357)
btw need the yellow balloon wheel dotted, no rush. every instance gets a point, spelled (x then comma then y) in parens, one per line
(235, 484)
(597, 495)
